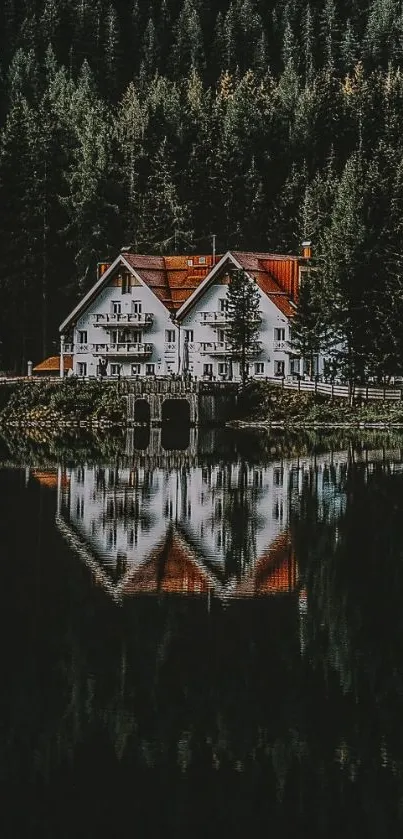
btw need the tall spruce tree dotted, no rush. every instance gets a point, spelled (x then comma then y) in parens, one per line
(243, 318)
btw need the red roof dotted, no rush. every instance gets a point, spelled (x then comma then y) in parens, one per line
(174, 278)
(170, 569)
(171, 278)
(275, 572)
(277, 276)
(52, 364)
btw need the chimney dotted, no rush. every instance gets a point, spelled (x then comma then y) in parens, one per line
(307, 249)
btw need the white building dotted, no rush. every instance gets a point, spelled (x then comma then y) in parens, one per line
(154, 315)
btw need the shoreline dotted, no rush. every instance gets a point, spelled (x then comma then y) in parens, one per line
(267, 425)
(235, 425)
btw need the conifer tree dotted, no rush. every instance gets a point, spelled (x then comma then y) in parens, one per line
(111, 50)
(187, 49)
(149, 51)
(165, 224)
(309, 323)
(344, 272)
(243, 318)
(19, 200)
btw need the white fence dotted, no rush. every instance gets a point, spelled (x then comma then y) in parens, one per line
(341, 391)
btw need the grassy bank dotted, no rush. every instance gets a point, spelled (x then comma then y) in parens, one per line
(264, 404)
(71, 402)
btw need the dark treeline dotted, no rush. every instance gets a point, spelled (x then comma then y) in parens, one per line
(159, 124)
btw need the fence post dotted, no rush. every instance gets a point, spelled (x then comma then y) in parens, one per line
(332, 390)
(384, 394)
(316, 385)
(366, 393)
(299, 384)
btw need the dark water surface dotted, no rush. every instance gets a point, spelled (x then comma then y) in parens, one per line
(202, 641)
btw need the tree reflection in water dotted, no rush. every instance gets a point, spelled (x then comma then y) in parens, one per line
(191, 716)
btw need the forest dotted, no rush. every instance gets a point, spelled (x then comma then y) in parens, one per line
(159, 124)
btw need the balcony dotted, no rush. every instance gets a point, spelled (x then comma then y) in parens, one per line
(216, 348)
(226, 349)
(214, 318)
(282, 346)
(217, 318)
(123, 349)
(126, 349)
(137, 319)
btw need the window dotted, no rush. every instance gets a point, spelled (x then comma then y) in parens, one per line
(82, 336)
(207, 370)
(279, 334)
(279, 368)
(137, 337)
(137, 307)
(190, 263)
(202, 260)
(170, 335)
(82, 368)
(150, 369)
(116, 307)
(259, 368)
(136, 369)
(223, 304)
(222, 368)
(115, 369)
(221, 336)
(126, 287)
(188, 334)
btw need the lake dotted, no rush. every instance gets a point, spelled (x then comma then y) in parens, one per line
(202, 634)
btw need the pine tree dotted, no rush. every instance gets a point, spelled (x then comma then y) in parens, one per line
(187, 49)
(111, 51)
(330, 33)
(149, 52)
(349, 48)
(243, 318)
(89, 206)
(165, 224)
(309, 323)
(308, 46)
(343, 268)
(19, 200)
(130, 131)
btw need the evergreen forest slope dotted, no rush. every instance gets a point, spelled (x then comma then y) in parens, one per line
(158, 124)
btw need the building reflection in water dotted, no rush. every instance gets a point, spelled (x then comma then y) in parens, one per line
(177, 521)
(181, 522)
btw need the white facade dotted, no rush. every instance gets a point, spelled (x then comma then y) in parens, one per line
(205, 325)
(123, 326)
(129, 328)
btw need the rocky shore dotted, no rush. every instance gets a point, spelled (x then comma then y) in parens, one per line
(261, 406)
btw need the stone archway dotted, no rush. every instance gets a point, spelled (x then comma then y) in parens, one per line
(142, 412)
(176, 410)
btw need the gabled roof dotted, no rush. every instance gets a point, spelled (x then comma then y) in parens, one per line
(172, 568)
(171, 278)
(276, 275)
(179, 281)
(52, 364)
